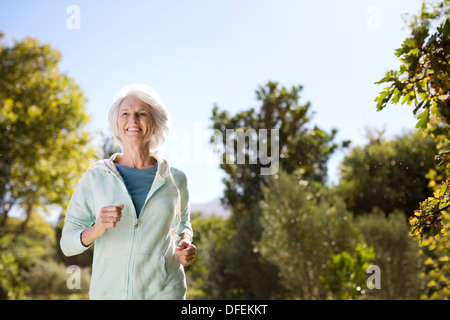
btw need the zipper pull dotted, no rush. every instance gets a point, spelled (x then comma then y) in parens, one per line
(137, 224)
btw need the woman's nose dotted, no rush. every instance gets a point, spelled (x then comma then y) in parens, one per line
(133, 117)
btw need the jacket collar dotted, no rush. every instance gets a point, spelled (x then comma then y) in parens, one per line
(163, 165)
(163, 172)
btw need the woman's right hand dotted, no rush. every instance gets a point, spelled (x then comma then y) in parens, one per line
(107, 219)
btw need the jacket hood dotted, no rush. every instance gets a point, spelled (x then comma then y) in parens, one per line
(108, 164)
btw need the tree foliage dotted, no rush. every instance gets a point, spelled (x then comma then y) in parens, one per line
(387, 173)
(12, 284)
(427, 219)
(303, 150)
(423, 81)
(43, 146)
(435, 251)
(301, 233)
(322, 251)
(212, 235)
(397, 254)
(347, 276)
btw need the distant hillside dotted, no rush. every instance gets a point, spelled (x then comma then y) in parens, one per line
(211, 207)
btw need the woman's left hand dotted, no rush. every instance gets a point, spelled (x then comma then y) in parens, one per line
(186, 252)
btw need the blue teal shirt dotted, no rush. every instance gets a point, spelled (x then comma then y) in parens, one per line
(138, 183)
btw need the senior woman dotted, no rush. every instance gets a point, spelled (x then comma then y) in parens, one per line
(135, 207)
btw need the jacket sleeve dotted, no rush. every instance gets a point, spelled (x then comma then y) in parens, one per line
(79, 216)
(185, 223)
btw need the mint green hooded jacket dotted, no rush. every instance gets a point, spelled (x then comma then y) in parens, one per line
(135, 260)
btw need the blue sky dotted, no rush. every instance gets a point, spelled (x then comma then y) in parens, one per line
(200, 53)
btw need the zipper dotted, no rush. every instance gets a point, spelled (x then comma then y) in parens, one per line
(135, 233)
(133, 244)
(131, 262)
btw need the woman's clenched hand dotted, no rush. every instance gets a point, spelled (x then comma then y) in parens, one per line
(107, 219)
(186, 252)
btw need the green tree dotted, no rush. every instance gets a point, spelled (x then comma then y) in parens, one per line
(206, 275)
(423, 81)
(388, 174)
(44, 146)
(19, 252)
(346, 278)
(301, 233)
(303, 149)
(435, 251)
(12, 284)
(397, 254)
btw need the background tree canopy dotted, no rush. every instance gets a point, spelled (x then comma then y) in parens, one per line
(44, 149)
(388, 174)
(43, 145)
(304, 151)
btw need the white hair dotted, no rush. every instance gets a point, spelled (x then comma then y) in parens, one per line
(159, 114)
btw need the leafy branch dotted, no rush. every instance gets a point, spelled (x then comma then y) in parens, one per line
(423, 81)
(423, 78)
(427, 219)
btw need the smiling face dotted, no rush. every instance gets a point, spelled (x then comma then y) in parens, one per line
(134, 121)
